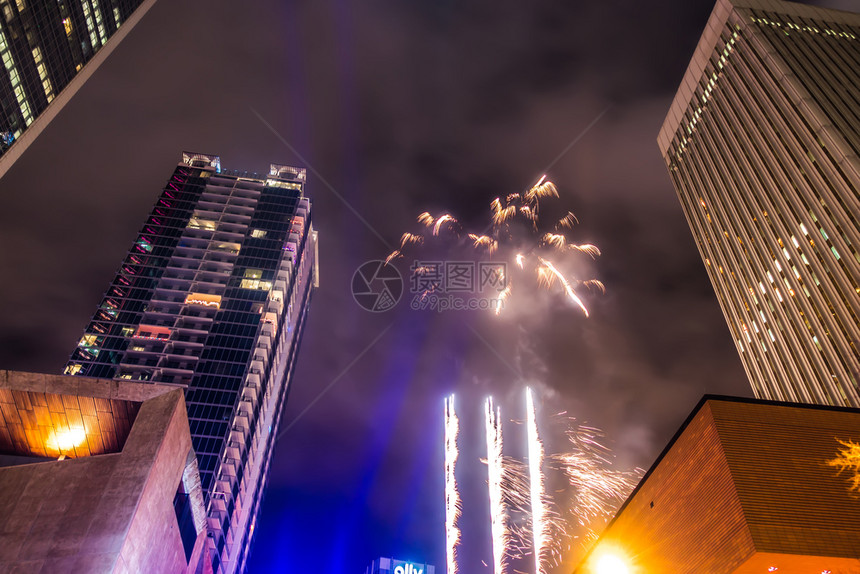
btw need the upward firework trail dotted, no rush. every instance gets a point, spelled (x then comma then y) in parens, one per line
(540, 526)
(526, 519)
(452, 497)
(514, 234)
(495, 472)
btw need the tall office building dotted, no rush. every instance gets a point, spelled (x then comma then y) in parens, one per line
(49, 48)
(212, 297)
(762, 144)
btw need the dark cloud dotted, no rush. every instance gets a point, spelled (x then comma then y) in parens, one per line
(400, 107)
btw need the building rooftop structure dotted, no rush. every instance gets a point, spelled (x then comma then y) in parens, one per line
(94, 475)
(746, 486)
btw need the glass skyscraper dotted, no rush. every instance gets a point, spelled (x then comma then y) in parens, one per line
(44, 46)
(762, 143)
(212, 297)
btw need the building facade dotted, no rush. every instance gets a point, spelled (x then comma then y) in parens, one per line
(745, 487)
(762, 144)
(212, 298)
(49, 49)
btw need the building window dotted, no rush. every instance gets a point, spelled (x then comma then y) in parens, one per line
(152, 332)
(253, 280)
(73, 369)
(197, 222)
(204, 299)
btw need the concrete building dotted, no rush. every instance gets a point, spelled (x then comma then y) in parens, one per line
(212, 298)
(745, 487)
(49, 48)
(762, 143)
(97, 476)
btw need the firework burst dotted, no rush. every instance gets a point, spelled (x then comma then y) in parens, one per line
(514, 234)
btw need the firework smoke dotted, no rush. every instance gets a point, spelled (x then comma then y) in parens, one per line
(516, 237)
(452, 496)
(495, 473)
(540, 527)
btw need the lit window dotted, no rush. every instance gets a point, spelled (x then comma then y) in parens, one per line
(127, 331)
(200, 223)
(88, 341)
(258, 233)
(256, 284)
(73, 369)
(67, 24)
(228, 247)
(152, 332)
(204, 299)
(43, 74)
(90, 25)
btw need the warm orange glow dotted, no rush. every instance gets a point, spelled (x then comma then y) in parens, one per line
(203, 299)
(65, 440)
(611, 564)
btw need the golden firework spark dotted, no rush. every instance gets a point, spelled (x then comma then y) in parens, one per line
(440, 221)
(849, 459)
(598, 489)
(553, 272)
(568, 221)
(484, 241)
(410, 239)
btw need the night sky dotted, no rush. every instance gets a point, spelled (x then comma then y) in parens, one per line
(396, 108)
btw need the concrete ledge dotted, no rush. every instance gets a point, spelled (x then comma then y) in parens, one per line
(83, 386)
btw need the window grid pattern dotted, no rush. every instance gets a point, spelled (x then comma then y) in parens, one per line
(765, 161)
(44, 45)
(203, 302)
